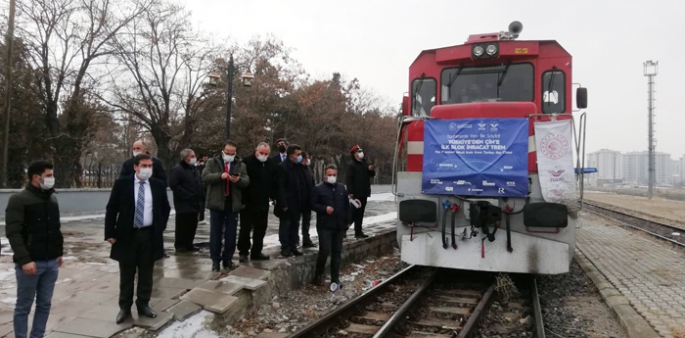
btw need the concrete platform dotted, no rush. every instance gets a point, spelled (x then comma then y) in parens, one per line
(641, 278)
(85, 300)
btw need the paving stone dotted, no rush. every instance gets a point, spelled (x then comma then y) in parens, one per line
(6, 329)
(93, 327)
(153, 324)
(64, 335)
(227, 288)
(167, 293)
(249, 272)
(160, 305)
(177, 283)
(92, 298)
(183, 310)
(266, 265)
(102, 312)
(209, 300)
(248, 283)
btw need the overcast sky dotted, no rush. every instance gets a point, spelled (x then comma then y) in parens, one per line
(376, 41)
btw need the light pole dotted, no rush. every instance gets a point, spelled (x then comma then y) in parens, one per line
(8, 90)
(651, 69)
(246, 77)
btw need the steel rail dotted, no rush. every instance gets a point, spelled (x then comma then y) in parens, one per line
(537, 310)
(638, 219)
(332, 319)
(474, 319)
(400, 314)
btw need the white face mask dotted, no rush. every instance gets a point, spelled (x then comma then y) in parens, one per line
(360, 155)
(331, 179)
(48, 183)
(193, 161)
(136, 153)
(228, 158)
(262, 158)
(145, 174)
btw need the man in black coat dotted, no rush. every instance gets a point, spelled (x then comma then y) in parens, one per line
(332, 206)
(307, 213)
(359, 175)
(256, 197)
(186, 183)
(292, 197)
(139, 147)
(137, 215)
(282, 145)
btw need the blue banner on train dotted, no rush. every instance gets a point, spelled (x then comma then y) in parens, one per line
(476, 157)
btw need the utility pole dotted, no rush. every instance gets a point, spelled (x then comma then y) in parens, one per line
(8, 91)
(651, 69)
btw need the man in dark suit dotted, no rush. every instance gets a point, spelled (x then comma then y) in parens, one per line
(139, 147)
(359, 176)
(292, 197)
(137, 214)
(282, 148)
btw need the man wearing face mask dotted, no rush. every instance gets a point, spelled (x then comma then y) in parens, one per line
(332, 206)
(359, 175)
(256, 197)
(186, 183)
(307, 213)
(226, 177)
(139, 147)
(33, 230)
(137, 215)
(282, 148)
(292, 198)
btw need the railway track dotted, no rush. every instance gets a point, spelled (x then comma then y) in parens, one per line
(424, 302)
(657, 229)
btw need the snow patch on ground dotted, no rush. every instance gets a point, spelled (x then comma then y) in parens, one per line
(193, 327)
(384, 197)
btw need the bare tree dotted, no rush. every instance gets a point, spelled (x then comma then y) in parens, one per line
(65, 38)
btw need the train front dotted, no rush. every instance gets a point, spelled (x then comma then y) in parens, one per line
(485, 176)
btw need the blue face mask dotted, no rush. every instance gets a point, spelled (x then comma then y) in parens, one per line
(299, 159)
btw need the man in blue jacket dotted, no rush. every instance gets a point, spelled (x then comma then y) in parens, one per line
(333, 218)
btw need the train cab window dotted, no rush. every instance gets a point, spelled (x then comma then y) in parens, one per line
(503, 83)
(553, 92)
(423, 96)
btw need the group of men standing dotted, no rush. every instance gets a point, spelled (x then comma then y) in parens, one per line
(138, 211)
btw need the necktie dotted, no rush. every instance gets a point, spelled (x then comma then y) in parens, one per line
(282, 157)
(228, 183)
(140, 207)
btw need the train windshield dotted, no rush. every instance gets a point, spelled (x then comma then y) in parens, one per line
(504, 83)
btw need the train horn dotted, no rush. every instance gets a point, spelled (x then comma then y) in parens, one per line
(515, 28)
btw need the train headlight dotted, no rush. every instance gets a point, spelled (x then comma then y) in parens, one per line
(491, 50)
(478, 51)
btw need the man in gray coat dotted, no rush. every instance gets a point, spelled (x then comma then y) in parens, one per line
(225, 177)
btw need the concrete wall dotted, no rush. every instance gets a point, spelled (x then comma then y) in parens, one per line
(74, 202)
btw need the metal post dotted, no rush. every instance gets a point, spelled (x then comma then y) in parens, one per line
(8, 91)
(229, 101)
(651, 69)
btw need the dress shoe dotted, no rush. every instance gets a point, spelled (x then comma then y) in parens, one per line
(243, 259)
(260, 257)
(296, 253)
(147, 312)
(215, 267)
(307, 243)
(228, 265)
(286, 253)
(123, 315)
(361, 235)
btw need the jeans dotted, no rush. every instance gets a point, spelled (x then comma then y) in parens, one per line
(39, 286)
(223, 225)
(288, 225)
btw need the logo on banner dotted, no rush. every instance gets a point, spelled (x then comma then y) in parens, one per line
(554, 146)
(453, 126)
(557, 171)
(482, 125)
(558, 190)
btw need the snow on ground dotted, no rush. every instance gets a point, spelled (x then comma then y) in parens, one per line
(193, 327)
